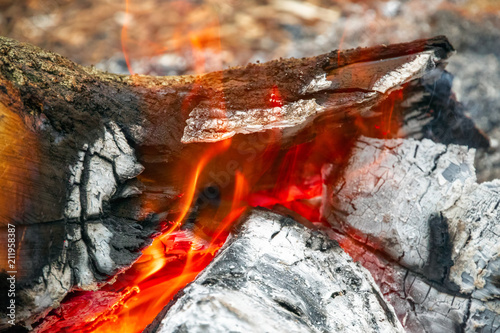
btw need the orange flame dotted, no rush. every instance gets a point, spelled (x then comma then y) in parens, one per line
(124, 37)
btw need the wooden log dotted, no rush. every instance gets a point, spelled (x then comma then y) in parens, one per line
(275, 275)
(84, 137)
(417, 207)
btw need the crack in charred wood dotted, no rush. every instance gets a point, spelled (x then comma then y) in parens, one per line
(436, 160)
(83, 185)
(467, 314)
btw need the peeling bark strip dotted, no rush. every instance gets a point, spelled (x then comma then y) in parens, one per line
(84, 136)
(418, 204)
(275, 275)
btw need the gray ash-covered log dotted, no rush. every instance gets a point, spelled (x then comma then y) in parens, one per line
(426, 230)
(276, 275)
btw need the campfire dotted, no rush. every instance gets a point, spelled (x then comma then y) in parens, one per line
(323, 194)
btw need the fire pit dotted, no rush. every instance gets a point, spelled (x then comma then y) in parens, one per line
(330, 193)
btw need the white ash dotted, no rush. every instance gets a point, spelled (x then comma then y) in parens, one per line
(128, 191)
(84, 277)
(317, 84)
(101, 185)
(114, 147)
(421, 63)
(100, 238)
(77, 169)
(73, 207)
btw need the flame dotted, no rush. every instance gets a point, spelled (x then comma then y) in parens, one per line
(238, 205)
(124, 37)
(298, 185)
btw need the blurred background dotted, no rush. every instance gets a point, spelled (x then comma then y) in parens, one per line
(160, 37)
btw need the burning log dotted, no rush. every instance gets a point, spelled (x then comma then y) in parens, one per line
(68, 114)
(431, 231)
(114, 154)
(276, 275)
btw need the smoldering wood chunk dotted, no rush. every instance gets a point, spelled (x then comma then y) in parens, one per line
(418, 203)
(275, 275)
